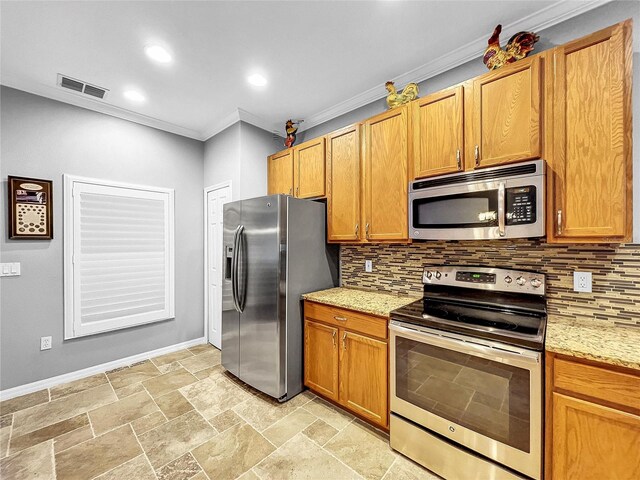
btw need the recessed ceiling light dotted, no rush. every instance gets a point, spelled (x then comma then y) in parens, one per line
(157, 53)
(134, 96)
(257, 80)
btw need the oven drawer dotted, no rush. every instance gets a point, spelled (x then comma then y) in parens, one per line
(597, 382)
(347, 319)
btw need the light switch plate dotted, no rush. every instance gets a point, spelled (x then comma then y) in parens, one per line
(368, 266)
(9, 269)
(582, 282)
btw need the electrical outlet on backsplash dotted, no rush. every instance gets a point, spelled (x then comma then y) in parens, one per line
(615, 269)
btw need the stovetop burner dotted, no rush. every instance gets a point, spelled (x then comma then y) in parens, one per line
(500, 313)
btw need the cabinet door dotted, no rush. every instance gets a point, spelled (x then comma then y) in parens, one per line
(386, 177)
(343, 186)
(592, 138)
(321, 358)
(309, 164)
(363, 376)
(507, 114)
(280, 173)
(438, 133)
(593, 442)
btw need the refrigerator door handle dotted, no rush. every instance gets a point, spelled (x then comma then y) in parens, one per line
(240, 276)
(234, 270)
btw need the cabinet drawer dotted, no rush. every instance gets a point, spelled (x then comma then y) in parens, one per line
(597, 382)
(350, 320)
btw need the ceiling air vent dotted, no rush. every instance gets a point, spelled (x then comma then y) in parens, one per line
(81, 87)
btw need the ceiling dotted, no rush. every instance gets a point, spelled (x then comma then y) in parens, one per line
(321, 58)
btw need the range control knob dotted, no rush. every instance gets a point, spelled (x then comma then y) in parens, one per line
(429, 274)
(521, 281)
(508, 279)
(438, 275)
(535, 282)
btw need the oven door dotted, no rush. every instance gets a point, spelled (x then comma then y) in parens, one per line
(475, 211)
(484, 396)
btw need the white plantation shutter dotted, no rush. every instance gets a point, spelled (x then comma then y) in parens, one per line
(118, 256)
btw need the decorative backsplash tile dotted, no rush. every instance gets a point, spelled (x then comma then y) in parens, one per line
(615, 268)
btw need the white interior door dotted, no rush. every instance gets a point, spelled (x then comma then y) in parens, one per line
(216, 197)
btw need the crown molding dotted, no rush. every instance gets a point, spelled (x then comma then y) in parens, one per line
(234, 117)
(545, 18)
(54, 92)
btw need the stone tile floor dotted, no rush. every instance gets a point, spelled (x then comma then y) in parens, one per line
(181, 416)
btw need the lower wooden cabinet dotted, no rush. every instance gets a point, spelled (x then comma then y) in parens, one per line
(321, 358)
(593, 421)
(363, 376)
(346, 360)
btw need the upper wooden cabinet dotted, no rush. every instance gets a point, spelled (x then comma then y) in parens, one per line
(590, 109)
(280, 173)
(298, 171)
(506, 117)
(343, 185)
(386, 176)
(438, 133)
(309, 169)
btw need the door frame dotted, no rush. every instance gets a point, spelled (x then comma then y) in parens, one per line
(206, 192)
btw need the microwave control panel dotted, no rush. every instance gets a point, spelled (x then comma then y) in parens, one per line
(521, 205)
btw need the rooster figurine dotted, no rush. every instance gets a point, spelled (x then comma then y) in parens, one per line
(517, 48)
(291, 127)
(395, 99)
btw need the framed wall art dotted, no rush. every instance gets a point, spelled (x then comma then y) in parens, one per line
(30, 208)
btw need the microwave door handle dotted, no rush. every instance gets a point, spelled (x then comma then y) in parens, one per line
(501, 212)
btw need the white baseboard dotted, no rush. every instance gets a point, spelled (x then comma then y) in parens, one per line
(103, 367)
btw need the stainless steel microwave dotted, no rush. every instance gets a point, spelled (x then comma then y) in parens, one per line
(493, 203)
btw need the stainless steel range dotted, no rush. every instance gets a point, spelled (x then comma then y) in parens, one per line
(467, 373)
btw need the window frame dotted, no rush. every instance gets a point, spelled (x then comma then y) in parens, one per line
(73, 327)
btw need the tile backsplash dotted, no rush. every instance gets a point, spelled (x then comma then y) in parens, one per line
(615, 268)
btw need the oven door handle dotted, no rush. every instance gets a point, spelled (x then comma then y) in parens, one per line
(463, 346)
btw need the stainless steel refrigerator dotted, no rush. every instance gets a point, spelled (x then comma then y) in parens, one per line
(274, 250)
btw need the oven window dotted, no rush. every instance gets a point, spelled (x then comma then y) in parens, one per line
(477, 209)
(485, 396)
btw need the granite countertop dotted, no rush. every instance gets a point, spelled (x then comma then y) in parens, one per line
(594, 340)
(366, 301)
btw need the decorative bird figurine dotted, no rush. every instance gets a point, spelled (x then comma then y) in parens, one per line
(518, 47)
(395, 99)
(291, 127)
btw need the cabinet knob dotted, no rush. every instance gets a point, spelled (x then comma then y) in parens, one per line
(476, 154)
(290, 190)
(357, 229)
(344, 340)
(297, 191)
(334, 338)
(458, 161)
(366, 230)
